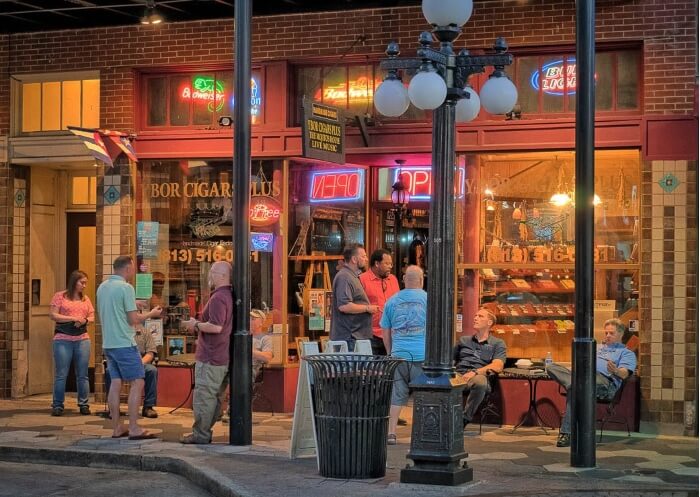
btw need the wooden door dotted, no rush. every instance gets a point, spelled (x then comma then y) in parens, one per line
(44, 267)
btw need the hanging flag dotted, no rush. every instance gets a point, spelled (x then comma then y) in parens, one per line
(92, 140)
(118, 143)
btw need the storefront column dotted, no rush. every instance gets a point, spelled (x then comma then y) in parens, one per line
(115, 236)
(471, 228)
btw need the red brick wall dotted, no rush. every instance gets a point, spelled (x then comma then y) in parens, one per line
(666, 28)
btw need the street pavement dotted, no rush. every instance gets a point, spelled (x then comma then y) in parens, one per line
(526, 463)
(59, 481)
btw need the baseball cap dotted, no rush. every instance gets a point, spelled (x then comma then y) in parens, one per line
(257, 313)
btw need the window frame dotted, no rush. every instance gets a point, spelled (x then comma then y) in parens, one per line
(565, 52)
(141, 100)
(17, 80)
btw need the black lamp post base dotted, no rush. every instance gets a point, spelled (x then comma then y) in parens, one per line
(437, 439)
(437, 476)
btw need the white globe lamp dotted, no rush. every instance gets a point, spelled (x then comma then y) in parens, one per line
(498, 95)
(468, 108)
(446, 12)
(391, 98)
(427, 90)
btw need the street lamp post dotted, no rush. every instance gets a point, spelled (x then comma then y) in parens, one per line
(441, 84)
(399, 199)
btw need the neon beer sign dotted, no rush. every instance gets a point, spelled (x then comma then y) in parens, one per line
(358, 90)
(205, 89)
(419, 181)
(336, 186)
(556, 78)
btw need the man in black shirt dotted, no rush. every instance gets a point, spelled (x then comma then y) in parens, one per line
(477, 356)
(351, 317)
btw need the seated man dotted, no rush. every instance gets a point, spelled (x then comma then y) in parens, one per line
(614, 363)
(147, 347)
(262, 352)
(262, 341)
(475, 357)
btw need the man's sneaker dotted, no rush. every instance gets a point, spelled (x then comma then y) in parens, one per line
(391, 439)
(564, 440)
(85, 410)
(57, 411)
(149, 412)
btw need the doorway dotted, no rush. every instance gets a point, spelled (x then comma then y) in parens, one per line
(80, 254)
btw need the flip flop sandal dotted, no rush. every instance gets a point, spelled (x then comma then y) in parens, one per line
(125, 434)
(143, 436)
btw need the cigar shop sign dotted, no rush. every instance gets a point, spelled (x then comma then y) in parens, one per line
(323, 129)
(265, 209)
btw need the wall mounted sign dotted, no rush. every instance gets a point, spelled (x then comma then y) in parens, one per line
(556, 77)
(337, 186)
(323, 130)
(147, 239)
(264, 211)
(419, 181)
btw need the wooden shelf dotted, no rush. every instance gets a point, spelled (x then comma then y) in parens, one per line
(510, 288)
(315, 257)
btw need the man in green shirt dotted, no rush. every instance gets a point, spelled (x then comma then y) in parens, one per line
(116, 304)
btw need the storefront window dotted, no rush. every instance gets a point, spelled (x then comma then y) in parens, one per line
(522, 266)
(547, 83)
(349, 87)
(326, 213)
(195, 99)
(183, 222)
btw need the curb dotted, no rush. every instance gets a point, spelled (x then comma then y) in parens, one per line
(212, 481)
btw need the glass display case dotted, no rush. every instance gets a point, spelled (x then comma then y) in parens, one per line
(517, 255)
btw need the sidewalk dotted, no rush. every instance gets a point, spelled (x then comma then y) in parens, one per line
(505, 464)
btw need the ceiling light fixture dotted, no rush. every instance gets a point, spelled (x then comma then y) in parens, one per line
(151, 15)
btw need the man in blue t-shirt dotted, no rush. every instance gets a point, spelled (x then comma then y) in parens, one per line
(614, 363)
(403, 328)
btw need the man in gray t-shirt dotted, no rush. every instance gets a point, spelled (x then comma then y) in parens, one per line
(351, 317)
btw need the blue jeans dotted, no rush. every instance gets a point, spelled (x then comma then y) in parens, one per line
(150, 388)
(64, 352)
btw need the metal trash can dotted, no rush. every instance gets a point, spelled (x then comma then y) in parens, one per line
(352, 395)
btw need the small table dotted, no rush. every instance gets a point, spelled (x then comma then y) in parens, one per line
(532, 376)
(186, 361)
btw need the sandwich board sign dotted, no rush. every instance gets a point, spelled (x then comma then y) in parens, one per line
(304, 441)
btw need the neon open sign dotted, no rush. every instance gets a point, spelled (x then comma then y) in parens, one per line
(337, 186)
(419, 181)
(556, 78)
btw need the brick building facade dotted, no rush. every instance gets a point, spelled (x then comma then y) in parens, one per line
(665, 33)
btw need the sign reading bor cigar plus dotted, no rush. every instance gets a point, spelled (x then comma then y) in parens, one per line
(324, 133)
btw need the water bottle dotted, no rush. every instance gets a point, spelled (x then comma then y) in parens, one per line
(548, 360)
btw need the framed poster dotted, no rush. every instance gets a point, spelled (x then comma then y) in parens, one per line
(155, 328)
(175, 345)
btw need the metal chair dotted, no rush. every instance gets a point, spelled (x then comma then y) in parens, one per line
(257, 390)
(611, 405)
(490, 406)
